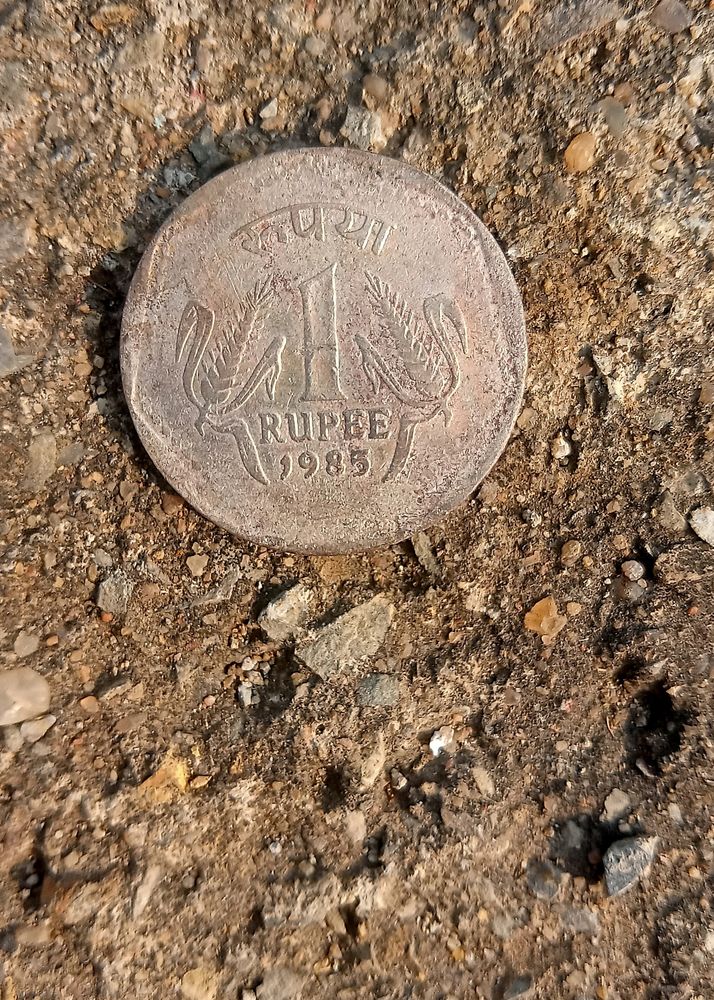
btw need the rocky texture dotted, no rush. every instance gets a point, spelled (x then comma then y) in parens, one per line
(379, 689)
(305, 831)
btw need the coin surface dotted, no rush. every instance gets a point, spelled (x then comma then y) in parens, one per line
(323, 350)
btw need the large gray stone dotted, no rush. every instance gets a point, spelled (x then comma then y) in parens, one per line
(341, 645)
(627, 861)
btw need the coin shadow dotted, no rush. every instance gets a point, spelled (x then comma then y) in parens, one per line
(203, 156)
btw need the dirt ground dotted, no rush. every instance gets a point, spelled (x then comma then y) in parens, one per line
(206, 817)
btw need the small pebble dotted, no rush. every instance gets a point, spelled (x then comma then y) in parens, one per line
(13, 738)
(580, 154)
(315, 46)
(661, 419)
(284, 617)
(617, 806)
(363, 129)
(376, 86)
(624, 93)
(42, 461)
(339, 646)
(145, 889)
(483, 781)
(197, 565)
(443, 741)
(171, 504)
(627, 591)
(269, 110)
(280, 983)
(356, 826)
(669, 517)
(543, 879)
(89, 704)
(113, 593)
(545, 619)
(571, 552)
(632, 569)
(378, 690)
(579, 921)
(614, 114)
(560, 447)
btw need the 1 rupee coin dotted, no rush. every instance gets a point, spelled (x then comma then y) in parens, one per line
(323, 350)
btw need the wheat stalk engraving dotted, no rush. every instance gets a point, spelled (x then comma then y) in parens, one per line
(212, 377)
(421, 370)
(417, 346)
(216, 364)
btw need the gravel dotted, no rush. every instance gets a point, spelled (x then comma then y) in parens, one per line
(390, 867)
(378, 690)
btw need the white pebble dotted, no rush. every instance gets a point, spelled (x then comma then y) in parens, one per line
(632, 569)
(442, 741)
(702, 522)
(560, 447)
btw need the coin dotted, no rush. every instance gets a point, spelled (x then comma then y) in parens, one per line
(323, 350)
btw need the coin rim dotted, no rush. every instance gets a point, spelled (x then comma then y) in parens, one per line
(133, 309)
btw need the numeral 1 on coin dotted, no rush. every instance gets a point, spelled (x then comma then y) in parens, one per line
(322, 363)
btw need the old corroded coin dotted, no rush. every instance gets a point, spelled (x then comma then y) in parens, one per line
(323, 350)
